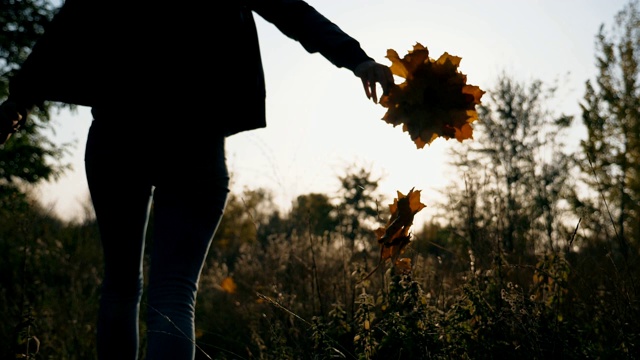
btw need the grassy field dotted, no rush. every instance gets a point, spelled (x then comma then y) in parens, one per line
(300, 295)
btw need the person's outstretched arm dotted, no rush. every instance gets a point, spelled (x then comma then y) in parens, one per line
(303, 23)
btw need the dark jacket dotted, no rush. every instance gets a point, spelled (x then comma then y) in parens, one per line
(156, 55)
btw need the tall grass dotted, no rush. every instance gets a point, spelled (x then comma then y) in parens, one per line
(558, 305)
(302, 296)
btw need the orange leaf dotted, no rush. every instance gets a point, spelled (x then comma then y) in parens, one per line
(393, 237)
(434, 100)
(403, 265)
(228, 285)
(465, 132)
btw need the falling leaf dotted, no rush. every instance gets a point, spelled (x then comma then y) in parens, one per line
(395, 235)
(434, 100)
(228, 285)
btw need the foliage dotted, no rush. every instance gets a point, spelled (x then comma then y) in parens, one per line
(500, 276)
(434, 100)
(29, 156)
(519, 164)
(610, 161)
(357, 206)
(394, 237)
(301, 295)
(50, 276)
(22, 23)
(245, 214)
(314, 213)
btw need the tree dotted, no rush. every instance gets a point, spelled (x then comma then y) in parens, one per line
(245, 220)
(358, 207)
(29, 156)
(611, 115)
(514, 171)
(22, 23)
(313, 214)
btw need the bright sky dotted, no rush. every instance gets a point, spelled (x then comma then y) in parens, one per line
(320, 122)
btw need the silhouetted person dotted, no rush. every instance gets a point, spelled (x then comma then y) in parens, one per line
(167, 82)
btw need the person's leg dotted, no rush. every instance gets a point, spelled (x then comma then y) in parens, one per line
(189, 201)
(121, 198)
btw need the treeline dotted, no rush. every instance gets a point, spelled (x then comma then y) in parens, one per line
(535, 255)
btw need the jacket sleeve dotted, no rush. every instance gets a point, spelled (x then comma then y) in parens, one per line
(317, 34)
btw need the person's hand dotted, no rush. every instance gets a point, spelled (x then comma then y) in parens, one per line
(370, 72)
(10, 120)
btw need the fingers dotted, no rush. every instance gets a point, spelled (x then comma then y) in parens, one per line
(365, 85)
(372, 74)
(10, 121)
(384, 77)
(374, 94)
(370, 89)
(387, 79)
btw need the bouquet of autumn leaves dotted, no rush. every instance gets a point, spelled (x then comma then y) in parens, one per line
(434, 100)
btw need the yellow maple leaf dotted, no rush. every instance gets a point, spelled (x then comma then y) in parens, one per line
(395, 236)
(434, 100)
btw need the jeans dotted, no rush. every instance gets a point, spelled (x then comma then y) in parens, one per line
(144, 172)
